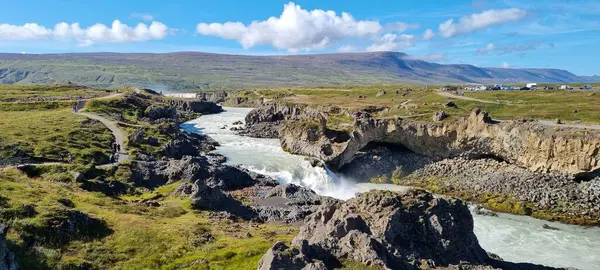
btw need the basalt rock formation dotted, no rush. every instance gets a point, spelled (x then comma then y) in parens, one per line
(389, 230)
(266, 121)
(525, 143)
(195, 106)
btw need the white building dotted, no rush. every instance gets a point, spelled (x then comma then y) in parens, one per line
(532, 85)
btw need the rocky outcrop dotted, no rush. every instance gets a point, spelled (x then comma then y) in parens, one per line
(204, 197)
(554, 196)
(231, 98)
(283, 257)
(202, 107)
(288, 203)
(155, 112)
(267, 120)
(7, 258)
(389, 230)
(525, 143)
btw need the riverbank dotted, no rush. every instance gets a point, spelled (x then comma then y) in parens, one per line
(514, 238)
(549, 172)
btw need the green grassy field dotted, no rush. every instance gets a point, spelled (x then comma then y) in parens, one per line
(121, 232)
(9, 93)
(421, 102)
(46, 129)
(171, 236)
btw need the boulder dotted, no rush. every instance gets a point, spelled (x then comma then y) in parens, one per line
(440, 115)
(450, 104)
(392, 231)
(282, 257)
(204, 197)
(8, 261)
(289, 203)
(155, 112)
(380, 93)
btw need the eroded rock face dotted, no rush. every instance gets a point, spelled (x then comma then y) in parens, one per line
(392, 230)
(525, 143)
(388, 230)
(7, 258)
(289, 203)
(202, 107)
(266, 121)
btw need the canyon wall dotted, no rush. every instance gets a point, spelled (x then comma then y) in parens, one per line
(525, 143)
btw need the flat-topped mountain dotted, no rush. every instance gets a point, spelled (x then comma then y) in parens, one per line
(193, 70)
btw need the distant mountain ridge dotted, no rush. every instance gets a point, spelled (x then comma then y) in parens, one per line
(192, 70)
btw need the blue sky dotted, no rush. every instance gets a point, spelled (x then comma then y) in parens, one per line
(490, 33)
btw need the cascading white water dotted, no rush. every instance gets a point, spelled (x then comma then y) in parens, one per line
(514, 238)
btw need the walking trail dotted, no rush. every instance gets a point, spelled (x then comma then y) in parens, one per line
(112, 125)
(122, 155)
(543, 122)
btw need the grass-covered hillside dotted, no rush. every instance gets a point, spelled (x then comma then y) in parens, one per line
(37, 124)
(195, 70)
(120, 232)
(81, 216)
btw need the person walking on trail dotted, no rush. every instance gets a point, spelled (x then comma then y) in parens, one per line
(118, 148)
(70, 158)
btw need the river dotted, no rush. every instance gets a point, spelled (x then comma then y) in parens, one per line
(514, 238)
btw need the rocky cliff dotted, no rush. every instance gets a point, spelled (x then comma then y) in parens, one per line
(204, 107)
(388, 230)
(525, 143)
(231, 98)
(267, 120)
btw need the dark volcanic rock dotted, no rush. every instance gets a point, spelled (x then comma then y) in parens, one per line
(7, 258)
(387, 230)
(202, 107)
(382, 161)
(440, 115)
(204, 197)
(189, 144)
(393, 230)
(155, 112)
(289, 203)
(283, 257)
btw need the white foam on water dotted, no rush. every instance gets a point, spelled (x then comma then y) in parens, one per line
(181, 95)
(514, 238)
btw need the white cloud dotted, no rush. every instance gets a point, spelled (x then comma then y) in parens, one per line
(347, 49)
(143, 16)
(295, 29)
(428, 34)
(481, 20)
(97, 33)
(400, 26)
(392, 42)
(486, 50)
(505, 65)
(431, 57)
(28, 31)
